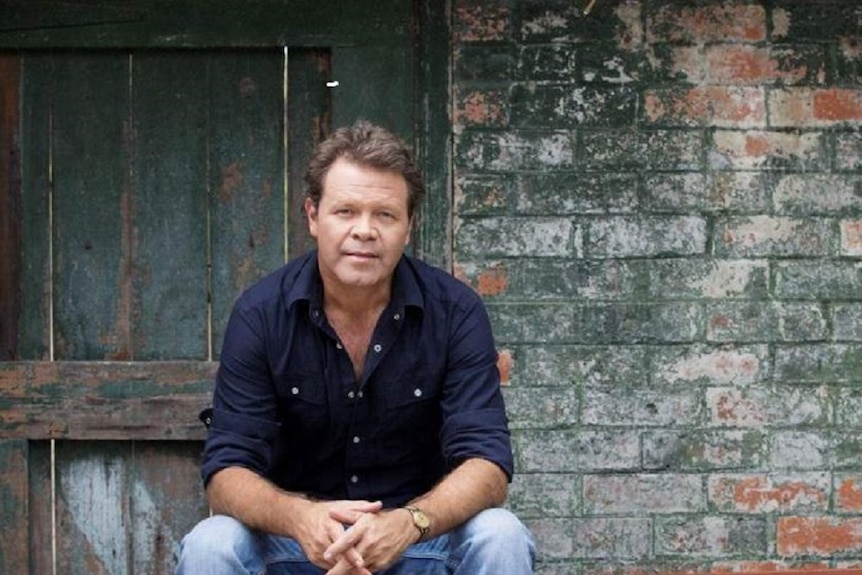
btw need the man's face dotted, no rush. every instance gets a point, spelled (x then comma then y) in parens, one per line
(361, 225)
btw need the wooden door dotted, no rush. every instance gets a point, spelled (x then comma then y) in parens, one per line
(146, 187)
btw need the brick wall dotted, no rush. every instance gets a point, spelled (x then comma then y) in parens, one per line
(661, 202)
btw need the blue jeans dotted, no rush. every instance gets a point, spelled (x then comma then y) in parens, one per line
(494, 542)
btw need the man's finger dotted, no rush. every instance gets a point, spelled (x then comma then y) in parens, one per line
(342, 543)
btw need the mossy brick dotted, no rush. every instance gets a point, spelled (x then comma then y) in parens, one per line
(626, 538)
(848, 151)
(607, 64)
(483, 194)
(756, 321)
(757, 406)
(623, 150)
(687, 278)
(480, 151)
(690, 21)
(847, 321)
(641, 236)
(703, 449)
(711, 536)
(675, 63)
(546, 63)
(800, 449)
(526, 323)
(812, 194)
(699, 364)
(643, 406)
(553, 536)
(604, 450)
(818, 279)
(705, 106)
(541, 407)
(569, 451)
(643, 493)
(517, 237)
(671, 322)
(567, 280)
(539, 106)
(762, 493)
(487, 64)
(848, 61)
(612, 366)
(768, 150)
(536, 495)
(819, 362)
(481, 108)
(547, 21)
(848, 407)
(489, 22)
(803, 21)
(577, 193)
(845, 444)
(850, 231)
(766, 235)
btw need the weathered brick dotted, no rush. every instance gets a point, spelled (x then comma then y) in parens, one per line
(608, 65)
(543, 407)
(562, 21)
(544, 495)
(703, 449)
(533, 323)
(626, 236)
(711, 279)
(770, 493)
(815, 107)
(718, 22)
(812, 194)
(851, 237)
(757, 65)
(848, 151)
(643, 493)
(801, 20)
(568, 451)
(482, 108)
(709, 365)
(500, 236)
(695, 191)
(801, 536)
(757, 406)
(507, 151)
(848, 407)
(642, 406)
(546, 63)
(818, 279)
(730, 321)
(654, 149)
(576, 193)
(847, 321)
(845, 446)
(848, 492)
(492, 21)
(490, 64)
(757, 149)
(553, 107)
(489, 278)
(764, 235)
(567, 280)
(711, 536)
(719, 106)
(585, 365)
(483, 195)
(617, 537)
(799, 450)
(639, 323)
(608, 450)
(553, 537)
(826, 363)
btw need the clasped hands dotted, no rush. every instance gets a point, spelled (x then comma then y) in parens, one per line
(355, 537)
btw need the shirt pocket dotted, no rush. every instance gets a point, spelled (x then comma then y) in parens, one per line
(412, 405)
(302, 406)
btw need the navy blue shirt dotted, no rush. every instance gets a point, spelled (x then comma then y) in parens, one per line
(288, 405)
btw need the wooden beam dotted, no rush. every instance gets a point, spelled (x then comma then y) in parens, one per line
(104, 400)
(10, 206)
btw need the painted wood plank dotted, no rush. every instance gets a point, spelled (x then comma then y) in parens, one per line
(92, 207)
(191, 23)
(35, 297)
(169, 205)
(10, 206)
(247, 174)
(104, 400)
(41, 508)
(14, 548)
(308, 120)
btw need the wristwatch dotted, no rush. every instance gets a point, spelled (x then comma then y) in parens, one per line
(420, 520)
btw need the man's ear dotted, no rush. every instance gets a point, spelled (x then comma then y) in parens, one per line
(311, 216)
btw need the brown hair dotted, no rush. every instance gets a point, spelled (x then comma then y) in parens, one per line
(367, 145)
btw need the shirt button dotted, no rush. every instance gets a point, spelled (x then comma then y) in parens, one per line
(396, 317)
(351, 395)
(417, 392)
(377, 347)
(359, 394)
(338, 345)
(294, 390)
(356, 439)
(354, 479)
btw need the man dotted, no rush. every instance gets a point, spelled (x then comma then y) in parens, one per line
(358, 425)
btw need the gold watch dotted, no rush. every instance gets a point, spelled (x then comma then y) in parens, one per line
(420, 520)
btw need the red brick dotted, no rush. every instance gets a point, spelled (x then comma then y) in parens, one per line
(743, 64)
(482, 23)
(806, 107)
(762, 494)
(818, 535)
(764, 566)
(716, 23)
(851, 238)
(487, 280)
(504, 365)
(848, 495)
(838, 105)
(481, 108)
(724, 106)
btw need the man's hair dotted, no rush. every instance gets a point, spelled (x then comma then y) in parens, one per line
(365, 144)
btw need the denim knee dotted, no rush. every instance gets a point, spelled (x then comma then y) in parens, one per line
(217, 545)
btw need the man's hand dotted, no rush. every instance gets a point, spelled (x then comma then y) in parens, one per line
(320, 527)
(378, 538)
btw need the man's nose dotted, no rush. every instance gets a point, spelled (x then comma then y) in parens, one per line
(363, 228)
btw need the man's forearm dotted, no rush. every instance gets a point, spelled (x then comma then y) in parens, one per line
(473, 486)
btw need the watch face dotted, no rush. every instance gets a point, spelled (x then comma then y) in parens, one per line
(421, 519)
